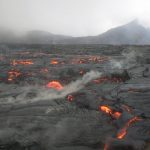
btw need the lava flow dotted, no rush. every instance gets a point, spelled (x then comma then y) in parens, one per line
(54, 62)
(13, 74)
(70, 98)
(22, 62)
(123, 131)
(107, 110)
(55, 85)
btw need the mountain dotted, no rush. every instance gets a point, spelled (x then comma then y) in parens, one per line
(131, 33)
(7, 36)
(42, 37)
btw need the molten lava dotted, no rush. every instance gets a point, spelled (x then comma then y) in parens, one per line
(106, 109)
(55, 85)
(13, 74)
(70, 98)
(123, 131)
(109, 111)
(117, 115)
(22, 62)
(54, 62)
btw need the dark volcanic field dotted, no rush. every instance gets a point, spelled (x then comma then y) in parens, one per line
(100, 99)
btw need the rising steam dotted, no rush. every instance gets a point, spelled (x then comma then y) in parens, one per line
(128, 61)
(70, 88)
(51, 94)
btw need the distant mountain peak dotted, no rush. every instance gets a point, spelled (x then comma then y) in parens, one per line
(130, 33)
(134, 22)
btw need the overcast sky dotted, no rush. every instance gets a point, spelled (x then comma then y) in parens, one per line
(72, 17)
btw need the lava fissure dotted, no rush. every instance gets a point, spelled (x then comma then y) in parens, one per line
(123, 131)
(112, 113)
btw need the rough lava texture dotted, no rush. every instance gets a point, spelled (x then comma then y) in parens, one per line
(103, 102)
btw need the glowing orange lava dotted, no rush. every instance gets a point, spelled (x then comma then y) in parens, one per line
(54, 62)
(22, 62)
(117, 115)
(13, 74)
(123, 131)
(106, 109)
(109, 111)
(55, 85)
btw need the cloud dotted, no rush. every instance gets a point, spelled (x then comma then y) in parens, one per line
(71, 17)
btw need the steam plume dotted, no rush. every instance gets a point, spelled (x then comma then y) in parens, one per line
(70, 88)
(128, 61)
(50, 94)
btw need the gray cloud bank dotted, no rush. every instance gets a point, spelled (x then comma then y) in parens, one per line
(71, 17)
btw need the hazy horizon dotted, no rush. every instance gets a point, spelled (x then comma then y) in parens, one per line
(71, 17)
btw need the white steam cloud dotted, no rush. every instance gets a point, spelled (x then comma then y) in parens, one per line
(50, 94)
(128, 61)
(70, 88)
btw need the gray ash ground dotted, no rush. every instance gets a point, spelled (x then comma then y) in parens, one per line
(107, 108)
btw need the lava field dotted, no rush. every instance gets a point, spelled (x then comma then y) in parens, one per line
(77, 97)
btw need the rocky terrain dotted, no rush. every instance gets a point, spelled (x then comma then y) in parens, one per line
(77, 97)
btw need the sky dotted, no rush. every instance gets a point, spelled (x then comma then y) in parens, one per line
(72, 17)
